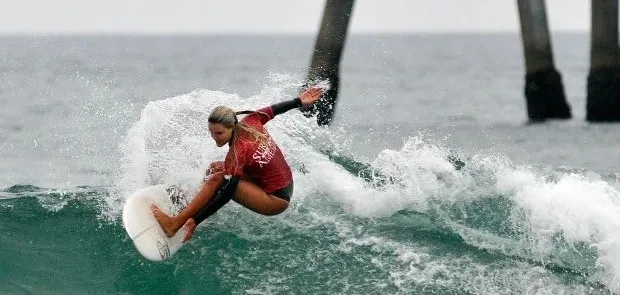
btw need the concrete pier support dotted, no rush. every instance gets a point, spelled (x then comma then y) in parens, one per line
(544, 91)
(325, 63)
(603, 100)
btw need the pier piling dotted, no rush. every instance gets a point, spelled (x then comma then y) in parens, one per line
(325, 63)
(603, 97)
(544, 91)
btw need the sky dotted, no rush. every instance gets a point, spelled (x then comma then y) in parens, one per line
(275, 16)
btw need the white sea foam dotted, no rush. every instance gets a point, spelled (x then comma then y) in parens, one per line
(170, 143)
(557, 213)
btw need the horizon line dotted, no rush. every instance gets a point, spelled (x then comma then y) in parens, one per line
(268, 34)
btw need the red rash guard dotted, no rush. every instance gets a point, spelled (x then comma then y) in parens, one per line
(261, 163)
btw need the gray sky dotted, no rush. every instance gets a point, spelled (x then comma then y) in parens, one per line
(275, 16)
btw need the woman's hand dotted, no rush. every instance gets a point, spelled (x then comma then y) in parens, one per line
(214, 167)
(310, 95)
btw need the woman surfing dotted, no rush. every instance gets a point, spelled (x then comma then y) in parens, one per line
(254, 172)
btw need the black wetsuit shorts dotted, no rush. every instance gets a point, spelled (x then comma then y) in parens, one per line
(285, 193)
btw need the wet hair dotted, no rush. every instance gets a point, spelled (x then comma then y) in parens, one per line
(227, 117)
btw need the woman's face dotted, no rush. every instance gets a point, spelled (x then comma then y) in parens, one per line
(220, 133)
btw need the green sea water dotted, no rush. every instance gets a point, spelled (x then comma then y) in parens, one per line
(417, 220)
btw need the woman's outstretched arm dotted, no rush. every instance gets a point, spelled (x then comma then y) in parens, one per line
(285, 106)
(306, 97)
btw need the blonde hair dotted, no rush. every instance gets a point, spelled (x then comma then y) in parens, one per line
(227, 117)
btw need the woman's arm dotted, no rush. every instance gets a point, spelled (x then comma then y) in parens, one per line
(306, 97)
(286, 106)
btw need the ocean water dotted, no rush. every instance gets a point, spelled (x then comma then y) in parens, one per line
(379, 206)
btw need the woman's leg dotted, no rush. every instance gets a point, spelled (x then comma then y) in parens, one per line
(256, 199)
(171, 224)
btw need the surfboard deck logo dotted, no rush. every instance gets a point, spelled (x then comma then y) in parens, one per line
(176, 194)
(164, 250)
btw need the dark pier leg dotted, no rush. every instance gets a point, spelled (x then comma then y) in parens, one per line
(544, 91)
(603, 102)
(325, 63)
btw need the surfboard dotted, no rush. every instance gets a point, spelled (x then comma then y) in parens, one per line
(147, 235)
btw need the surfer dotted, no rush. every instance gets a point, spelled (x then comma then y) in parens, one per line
(254, 172)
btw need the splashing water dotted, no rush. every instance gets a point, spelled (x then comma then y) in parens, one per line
(546, 221)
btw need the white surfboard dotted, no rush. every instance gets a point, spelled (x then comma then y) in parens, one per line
(142, 227)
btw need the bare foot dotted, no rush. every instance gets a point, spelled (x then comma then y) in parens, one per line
(166, 222)
(190, 227)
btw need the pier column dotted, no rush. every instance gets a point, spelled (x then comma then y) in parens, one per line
(325, 63)
(603, 100)
(544, 91)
